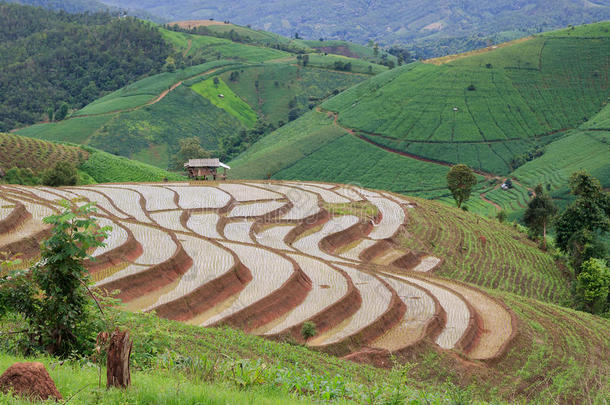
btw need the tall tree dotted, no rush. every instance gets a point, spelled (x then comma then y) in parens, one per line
(190, 148)
(539, 213)
(460, 181)
(579, 227)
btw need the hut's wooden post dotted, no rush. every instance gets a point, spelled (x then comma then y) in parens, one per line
(119, 350)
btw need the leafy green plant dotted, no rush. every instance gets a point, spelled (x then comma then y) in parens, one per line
(308, 330)
(52, 296)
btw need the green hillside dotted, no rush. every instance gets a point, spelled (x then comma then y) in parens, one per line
(146, 119)
(94, 166)
(513, 103)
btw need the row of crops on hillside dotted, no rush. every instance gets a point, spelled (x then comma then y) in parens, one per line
(495, 105)
(210, 47)
(470, 244)
(17, 151)
(352, 160)
(275, 89)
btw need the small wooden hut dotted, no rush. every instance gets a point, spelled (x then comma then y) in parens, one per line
(202, 168)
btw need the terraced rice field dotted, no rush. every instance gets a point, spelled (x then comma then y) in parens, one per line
(268, 257)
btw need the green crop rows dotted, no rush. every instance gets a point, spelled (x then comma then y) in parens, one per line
(220, 48)
(182, 113)
(285, 147)
(18, 151)
(484, 252)
(340, 161)
(485, 109)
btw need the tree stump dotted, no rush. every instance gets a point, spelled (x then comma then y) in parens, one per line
(119, 350)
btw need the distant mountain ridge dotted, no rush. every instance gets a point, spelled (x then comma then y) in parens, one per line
(427, 24)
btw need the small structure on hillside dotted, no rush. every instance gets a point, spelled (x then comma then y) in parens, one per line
(202, 168)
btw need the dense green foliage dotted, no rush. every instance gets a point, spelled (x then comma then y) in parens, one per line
(62, 174)
(539, 213)
(580, 227)
(460, 181)
(52, 295)
(429, 24)
(593, 286)
(190, 148)
(47, 58)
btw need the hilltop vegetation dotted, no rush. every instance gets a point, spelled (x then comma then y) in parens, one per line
(49, 58)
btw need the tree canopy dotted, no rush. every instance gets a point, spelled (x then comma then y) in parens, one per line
(460, 181)
(580, 227)
(48, 58)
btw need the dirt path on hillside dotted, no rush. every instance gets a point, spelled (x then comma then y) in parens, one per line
(188, 48)
(153, 101)
(484, 198)
(398, 152)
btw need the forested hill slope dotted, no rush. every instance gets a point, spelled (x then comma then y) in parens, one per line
(48, 58)
(388, 22)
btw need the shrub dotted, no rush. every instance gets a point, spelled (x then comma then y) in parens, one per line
(593, 285)
(501, 216)
(52, 296)
(308, 330)
(63, 174)
(472, 87)
(21, 176)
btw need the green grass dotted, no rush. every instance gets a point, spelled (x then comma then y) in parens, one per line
(340, 161)
(220, 48)
(95, 166)
(148, 387)
(107, 168)
(38, 155)
(285, 147)
(229, 102)
(577, 150)
(183, 113)
(600, 121)
(76, 130)
(176, 363)
(521, 92)
(279, 84)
